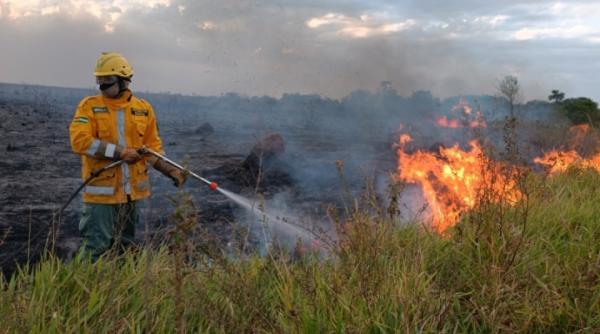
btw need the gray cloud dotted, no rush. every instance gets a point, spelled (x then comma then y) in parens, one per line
(263, 47)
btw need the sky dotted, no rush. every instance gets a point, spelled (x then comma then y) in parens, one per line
(325, 47)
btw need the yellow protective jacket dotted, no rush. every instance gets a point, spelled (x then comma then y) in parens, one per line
(100, 130)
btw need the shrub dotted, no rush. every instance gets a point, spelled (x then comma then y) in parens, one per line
(581, 110)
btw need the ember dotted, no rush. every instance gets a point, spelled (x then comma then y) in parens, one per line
(444, 122)
(465, 117)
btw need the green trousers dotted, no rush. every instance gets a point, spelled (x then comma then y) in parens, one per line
(107, 226)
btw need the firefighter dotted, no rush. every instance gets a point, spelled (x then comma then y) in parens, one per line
(113, 126)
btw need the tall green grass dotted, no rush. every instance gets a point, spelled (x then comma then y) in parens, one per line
(535, 271)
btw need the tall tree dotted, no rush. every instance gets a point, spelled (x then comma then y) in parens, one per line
(509, 87)
(556, 96)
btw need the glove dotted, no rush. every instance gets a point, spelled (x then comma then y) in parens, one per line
(130, 155)
(170, 171)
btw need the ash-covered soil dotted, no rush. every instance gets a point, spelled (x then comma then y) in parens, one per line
(307, 138)
(39, 172)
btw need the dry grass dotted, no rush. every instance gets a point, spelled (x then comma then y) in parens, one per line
(489, 274)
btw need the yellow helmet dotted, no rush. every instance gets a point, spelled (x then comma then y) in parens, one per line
(113, 63)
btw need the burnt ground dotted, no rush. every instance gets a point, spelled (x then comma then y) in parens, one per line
(39, 172)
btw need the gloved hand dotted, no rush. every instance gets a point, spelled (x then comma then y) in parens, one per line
(130, 155)
(172, 172)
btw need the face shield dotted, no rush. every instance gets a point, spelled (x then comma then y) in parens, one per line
(105, 82)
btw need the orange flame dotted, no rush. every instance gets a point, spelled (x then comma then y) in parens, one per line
(453, 179)
(464, 105)
(404, 139)
(479, 122)
(465, 118)
(444, 122)
(556, 162)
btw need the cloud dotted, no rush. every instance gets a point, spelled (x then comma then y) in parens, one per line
(109, 10)
(493, 21)
(331, 48)
(569, 32)
(207, 25)
(576, 21)
(358, 27)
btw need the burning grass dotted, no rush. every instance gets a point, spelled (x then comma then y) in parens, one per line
(454, 180)
(496, 270)
(559, 161)
(581, 138)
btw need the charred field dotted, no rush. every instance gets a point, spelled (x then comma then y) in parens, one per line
(437, 215)
(281, 161)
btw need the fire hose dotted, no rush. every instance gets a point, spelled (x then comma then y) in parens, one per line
(56, 219)
(93, 175)
(211, 185)
(142, 151)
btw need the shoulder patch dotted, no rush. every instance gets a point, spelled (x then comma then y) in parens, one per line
(99, 110)
(81, 120)
(143, 105)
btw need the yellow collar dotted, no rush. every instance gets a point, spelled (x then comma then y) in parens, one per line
(121, 100)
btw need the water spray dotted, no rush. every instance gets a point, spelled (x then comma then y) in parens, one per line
(281, 226)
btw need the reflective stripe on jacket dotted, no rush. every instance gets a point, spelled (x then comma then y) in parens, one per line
(100, 130)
